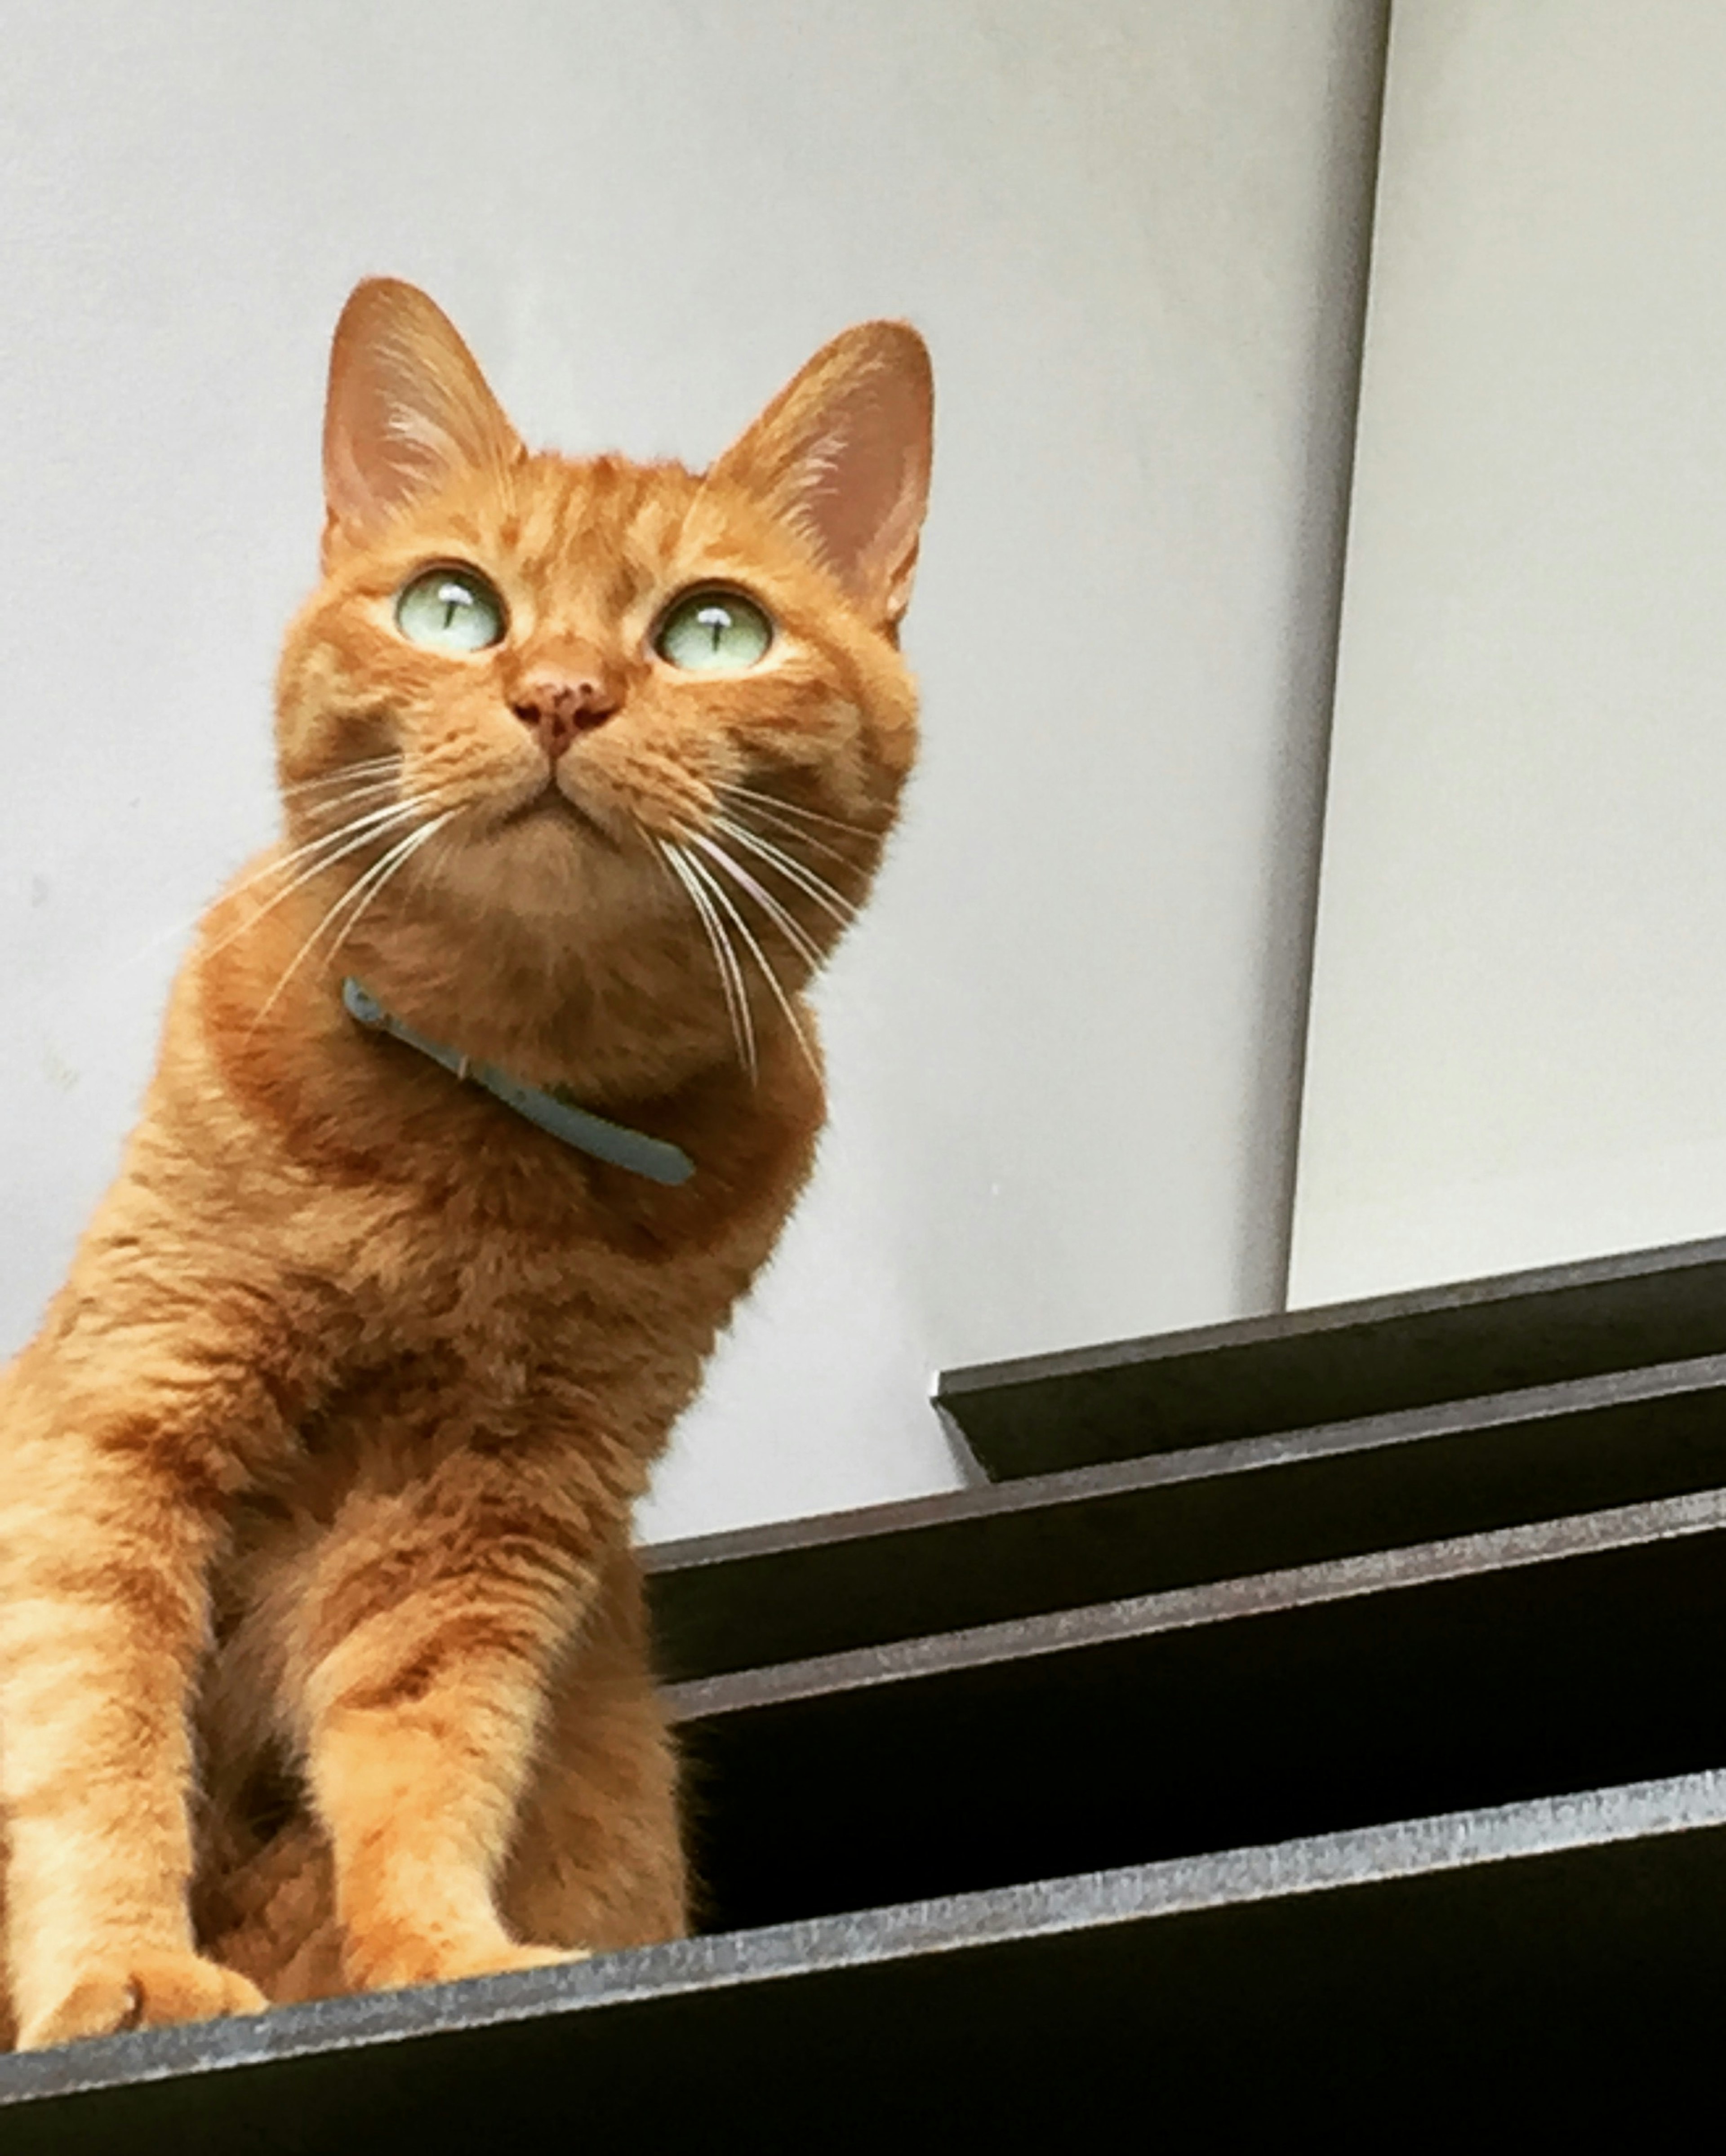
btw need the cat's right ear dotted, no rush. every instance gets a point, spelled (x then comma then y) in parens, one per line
(407, 409)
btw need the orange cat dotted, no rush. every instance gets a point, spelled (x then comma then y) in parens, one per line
(321, 1652)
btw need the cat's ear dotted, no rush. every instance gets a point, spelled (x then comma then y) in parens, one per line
(842, 453)
(407, 408)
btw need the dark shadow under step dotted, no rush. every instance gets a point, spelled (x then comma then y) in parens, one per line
(858, 1579)
(1570, 1654)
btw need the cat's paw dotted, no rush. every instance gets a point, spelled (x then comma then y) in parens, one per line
(446, 1964)
(143, 1991)
(494, 1963)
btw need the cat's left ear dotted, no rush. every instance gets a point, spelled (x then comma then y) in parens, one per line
(842, 453)
(407, 409)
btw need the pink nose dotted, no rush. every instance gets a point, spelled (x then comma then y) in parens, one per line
(557, 706)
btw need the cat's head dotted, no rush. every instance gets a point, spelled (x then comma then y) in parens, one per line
(625, 715)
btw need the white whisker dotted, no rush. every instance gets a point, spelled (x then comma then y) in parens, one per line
(731, 976)
(789, 925)
(391, 866)
(794, 830)
(795, 808)
(807, 881)
(327, 847)
(722, 898)
(369, 820)
(331, 802)
(317, 854)
(364, 770)
(359, 894)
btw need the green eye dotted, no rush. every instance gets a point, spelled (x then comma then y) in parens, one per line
(449, 610)
(713, 633)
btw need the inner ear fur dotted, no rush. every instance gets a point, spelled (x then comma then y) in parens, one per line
(842, 455)
(407, 408)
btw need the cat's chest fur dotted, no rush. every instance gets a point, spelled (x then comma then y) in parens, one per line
(419, 1271)
(493, 1275)
(479, 1311)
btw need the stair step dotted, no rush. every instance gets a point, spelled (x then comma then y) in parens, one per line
(1048, 1414)
(1353, 1596)
(1562, 1942)
(803, 1587)
(1570, 1654)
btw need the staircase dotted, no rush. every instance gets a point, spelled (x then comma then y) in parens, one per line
(1311, 1715)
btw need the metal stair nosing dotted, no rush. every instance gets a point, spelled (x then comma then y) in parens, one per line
(1550, 1936)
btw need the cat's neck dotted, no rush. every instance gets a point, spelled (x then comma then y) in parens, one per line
(573, 1019)
(612, 1019)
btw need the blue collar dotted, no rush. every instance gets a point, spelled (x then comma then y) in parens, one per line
(653, 1158)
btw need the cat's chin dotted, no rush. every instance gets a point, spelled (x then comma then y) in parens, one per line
(546, 865)
(552, 810)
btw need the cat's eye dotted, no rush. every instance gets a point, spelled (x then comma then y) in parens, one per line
(449, 610)
(713, 632)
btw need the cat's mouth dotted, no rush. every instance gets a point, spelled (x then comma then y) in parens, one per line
(551, 805)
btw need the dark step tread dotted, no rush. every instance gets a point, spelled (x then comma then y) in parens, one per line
(1040, 1415)
(1227, 1601)
(1568, 1932)
(850, 1580)
(1566, 1653)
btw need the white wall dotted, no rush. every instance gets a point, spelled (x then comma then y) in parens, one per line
(1064, 1046)
(1519, 1014)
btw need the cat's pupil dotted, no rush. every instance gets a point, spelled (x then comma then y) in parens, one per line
(449, 612)
(714, 632)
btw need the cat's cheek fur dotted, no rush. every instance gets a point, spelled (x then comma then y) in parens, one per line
(323, 1654)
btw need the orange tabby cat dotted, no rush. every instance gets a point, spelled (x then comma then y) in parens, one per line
(321, 1652)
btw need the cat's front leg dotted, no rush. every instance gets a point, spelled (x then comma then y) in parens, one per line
(121, 1452)
(425, 1652)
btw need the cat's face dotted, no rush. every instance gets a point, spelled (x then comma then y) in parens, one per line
(570, 698)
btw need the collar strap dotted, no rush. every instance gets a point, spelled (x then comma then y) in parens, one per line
(653, 1158)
